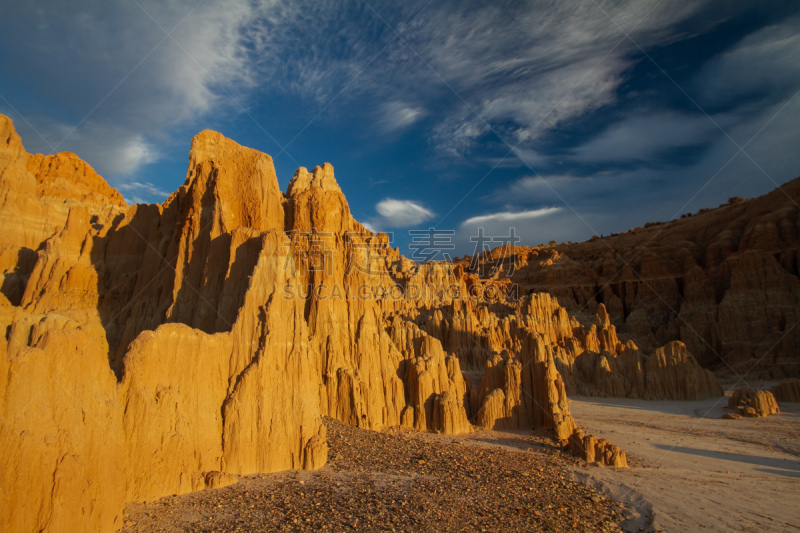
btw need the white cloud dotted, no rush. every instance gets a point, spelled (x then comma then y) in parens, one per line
(511, 217)
(399, 115)
(530, 227)
(538, 188)
(641, 138)
(400, 214)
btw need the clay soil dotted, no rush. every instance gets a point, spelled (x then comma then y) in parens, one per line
(400, 481)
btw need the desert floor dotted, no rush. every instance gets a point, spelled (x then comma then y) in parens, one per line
(697, 472)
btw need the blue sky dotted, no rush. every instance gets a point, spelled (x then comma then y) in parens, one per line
(560, 119)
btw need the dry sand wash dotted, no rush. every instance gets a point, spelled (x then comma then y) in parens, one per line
(696, 471)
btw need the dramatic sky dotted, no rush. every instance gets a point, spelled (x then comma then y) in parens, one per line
(561, 119)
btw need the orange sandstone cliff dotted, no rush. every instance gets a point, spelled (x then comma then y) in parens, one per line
(160, 349)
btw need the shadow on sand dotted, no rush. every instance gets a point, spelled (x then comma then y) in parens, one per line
(775, 466)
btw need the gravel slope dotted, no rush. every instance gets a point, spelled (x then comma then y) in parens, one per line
(400, 481)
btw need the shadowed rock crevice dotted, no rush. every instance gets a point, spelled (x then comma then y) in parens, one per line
(14, 282)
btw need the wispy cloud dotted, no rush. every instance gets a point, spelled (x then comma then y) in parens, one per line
(646, 136)
(508, 216)
(538, 188)
(112, 150)
(526, 228)
(136, 192)
(400, 115)
(762, 65)
(552, 62)
(615, 200)
(456, 136)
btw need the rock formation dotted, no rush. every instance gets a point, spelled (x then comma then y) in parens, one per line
(179, 300)
(160, 349)
(753, 403)
(594, 450)
(787, 391)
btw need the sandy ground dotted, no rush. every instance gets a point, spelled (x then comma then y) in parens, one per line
(695, 471)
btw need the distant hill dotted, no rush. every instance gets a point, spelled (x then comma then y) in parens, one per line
(723, 281)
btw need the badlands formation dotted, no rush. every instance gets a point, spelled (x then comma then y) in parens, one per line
(153, 350)
(724, 282)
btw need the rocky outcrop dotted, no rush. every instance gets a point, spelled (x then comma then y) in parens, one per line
(594, 450)
(161, 349)
(753, 403)
(448, 414)
(787, 391)
(669, 373)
